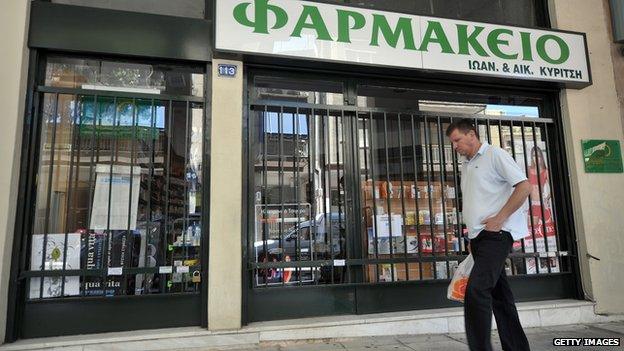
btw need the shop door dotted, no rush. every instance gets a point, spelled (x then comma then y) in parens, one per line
(303, 230)
(354, 199)
(114, 234)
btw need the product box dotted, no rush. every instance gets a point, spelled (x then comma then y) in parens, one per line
(57, 253)
(94, 256)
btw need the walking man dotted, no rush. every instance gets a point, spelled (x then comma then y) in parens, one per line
(494, 191)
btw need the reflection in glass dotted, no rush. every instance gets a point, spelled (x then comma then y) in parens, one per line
(408, 222)
(299, 196)
(388, 156)
(92, 74)
(288, 90)
(121, 188)
(451, 102)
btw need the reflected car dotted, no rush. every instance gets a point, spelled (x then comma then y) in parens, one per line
(320, 239)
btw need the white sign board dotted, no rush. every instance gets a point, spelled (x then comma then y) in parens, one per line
(308, 30)
(111, 200)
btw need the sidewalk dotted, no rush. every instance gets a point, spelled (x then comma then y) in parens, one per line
(437, 329)
(541, 339)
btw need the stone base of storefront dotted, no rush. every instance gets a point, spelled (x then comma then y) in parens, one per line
(438, 321)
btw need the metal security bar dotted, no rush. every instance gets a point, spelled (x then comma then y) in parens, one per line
(296, 148)
(406, 223)
(118, 198)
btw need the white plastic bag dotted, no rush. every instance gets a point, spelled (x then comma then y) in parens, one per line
(457, 289)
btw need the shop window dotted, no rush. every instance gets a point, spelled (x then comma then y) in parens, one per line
(413, 160)
(119, 194)
(180, 8)
(412, 198)
(294, 221)
(313, 163)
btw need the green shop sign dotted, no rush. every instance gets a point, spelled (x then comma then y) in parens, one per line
(602, 156)
(326, 32)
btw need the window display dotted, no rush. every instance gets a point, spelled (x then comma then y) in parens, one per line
(410, 206)
(299, 210)
(543, 236)
(59, 254)
(120, 192)
(365, 195)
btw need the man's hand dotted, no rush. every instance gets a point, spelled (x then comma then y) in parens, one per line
(493, 224)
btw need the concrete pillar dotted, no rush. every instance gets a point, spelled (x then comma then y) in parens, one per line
(594, 113)
(13, 73)
(226, 181)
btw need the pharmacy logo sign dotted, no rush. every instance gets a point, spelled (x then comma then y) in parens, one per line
(307, 30)
(602, 156)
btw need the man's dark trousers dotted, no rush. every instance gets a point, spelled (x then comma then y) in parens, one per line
(487, 291)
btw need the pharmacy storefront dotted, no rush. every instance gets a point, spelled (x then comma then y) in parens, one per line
(353, 199)
(349, 191)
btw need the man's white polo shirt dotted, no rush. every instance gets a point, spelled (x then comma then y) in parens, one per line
(487, 181)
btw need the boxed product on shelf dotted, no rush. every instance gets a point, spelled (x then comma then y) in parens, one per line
(412, 244)
(413, 271)
(449, 192)
(398, 245)
(383, 245)
(438, 218)
(428, 244)
(399, 271)
(410, 218)
(116, 254)
(451, 217)
(441, 269)
(424, 217)
(386, 273)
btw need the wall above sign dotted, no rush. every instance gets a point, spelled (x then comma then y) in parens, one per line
(326, 32)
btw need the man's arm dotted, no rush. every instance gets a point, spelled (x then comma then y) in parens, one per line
(517, 198)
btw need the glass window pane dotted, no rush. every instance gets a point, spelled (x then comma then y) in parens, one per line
(303, 91)
(51, 248)
(119, 187)
(90, 74)
(299, 195)
(448, 102)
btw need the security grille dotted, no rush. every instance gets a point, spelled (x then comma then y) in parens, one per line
(352, 195)
(118, 198)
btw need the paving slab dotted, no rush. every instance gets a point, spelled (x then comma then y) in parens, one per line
(423, 339)
(370, 341)
(614, 327)
(381, 348)
(573, 328)
(449, 345)
(312, 346)
(541, 339)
